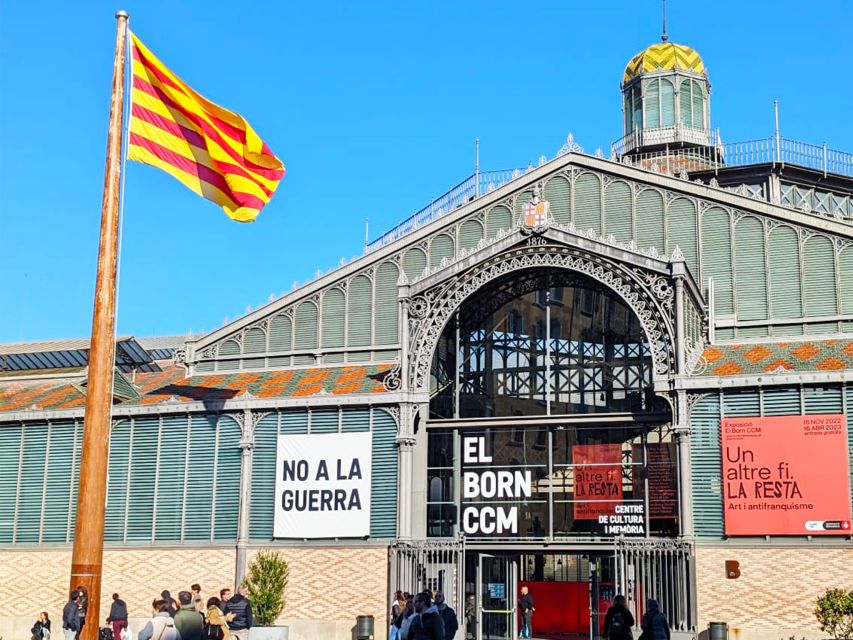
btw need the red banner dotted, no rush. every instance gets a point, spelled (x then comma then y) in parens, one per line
(786, 475)
(598, 479)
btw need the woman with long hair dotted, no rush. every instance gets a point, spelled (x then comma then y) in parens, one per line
(215, 622)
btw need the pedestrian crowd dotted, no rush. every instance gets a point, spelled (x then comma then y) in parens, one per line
(190, 617)
(424, 616)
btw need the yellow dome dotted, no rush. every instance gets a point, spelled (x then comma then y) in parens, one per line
(664, 56)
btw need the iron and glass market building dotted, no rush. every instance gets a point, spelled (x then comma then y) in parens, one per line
(545, 367)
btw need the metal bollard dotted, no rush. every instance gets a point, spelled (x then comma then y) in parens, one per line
(718, 631)
(364, 627)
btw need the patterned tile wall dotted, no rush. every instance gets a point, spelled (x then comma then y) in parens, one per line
(32, 581)
(325, 583)
(776, 590)
(336, 584)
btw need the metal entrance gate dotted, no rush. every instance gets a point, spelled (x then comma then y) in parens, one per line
(662, 569)
(437, 565)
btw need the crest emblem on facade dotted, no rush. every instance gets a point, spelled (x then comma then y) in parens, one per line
(536, 215)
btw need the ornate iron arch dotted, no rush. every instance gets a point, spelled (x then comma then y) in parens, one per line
(649, 294)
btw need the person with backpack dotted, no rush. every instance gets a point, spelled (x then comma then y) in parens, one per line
(618, 621)
(215, 622)
(655, 625)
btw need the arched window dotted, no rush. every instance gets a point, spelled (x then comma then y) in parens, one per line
(596, 361)
(692, 104)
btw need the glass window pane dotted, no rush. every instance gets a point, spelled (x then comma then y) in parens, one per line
(599, 357)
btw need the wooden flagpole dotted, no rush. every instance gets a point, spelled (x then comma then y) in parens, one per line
(87, 558)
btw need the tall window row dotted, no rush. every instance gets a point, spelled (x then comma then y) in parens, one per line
(171, 478)
(656, 104)
(552, 482)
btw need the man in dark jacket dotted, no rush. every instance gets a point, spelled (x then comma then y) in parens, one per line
(526, 608)
(241, 608)
(71, 616)
(118, 616)
(448, 616)
(427, 623)
(188, 621)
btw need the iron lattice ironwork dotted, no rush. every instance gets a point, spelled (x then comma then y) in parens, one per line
(437, 565)
(659, 568)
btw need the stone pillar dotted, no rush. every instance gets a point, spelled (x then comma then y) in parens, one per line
(405, 446)
(418, 496)
(685, 469)
(247, 444)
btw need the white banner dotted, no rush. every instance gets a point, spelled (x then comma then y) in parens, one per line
(322, 485)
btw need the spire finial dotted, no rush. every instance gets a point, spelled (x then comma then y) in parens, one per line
(663, 37)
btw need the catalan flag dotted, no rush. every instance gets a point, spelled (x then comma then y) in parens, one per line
(211, 150)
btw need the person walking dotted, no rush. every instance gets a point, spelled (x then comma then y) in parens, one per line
(655, 625)
(118, 616)
(41, 629)
(618, 621)
(396, 609)
(525, 606)
(71, 616)
(215, 623)
(188, 621)
(198, 601)
(448, 616)
(427, 623)
(404, 620)
(241, 609)
(160, 626)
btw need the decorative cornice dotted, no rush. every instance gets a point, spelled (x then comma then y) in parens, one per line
(437, 305)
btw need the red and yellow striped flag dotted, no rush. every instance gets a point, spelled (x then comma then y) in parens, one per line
(211, 150)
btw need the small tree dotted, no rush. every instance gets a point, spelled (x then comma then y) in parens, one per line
(266, 582)
(834, 612)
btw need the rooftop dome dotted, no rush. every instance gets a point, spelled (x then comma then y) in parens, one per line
(664, 56)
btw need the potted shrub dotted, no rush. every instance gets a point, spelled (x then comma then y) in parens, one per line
(834, 613)
(266, 581)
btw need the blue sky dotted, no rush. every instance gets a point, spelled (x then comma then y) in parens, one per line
(373, 107)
